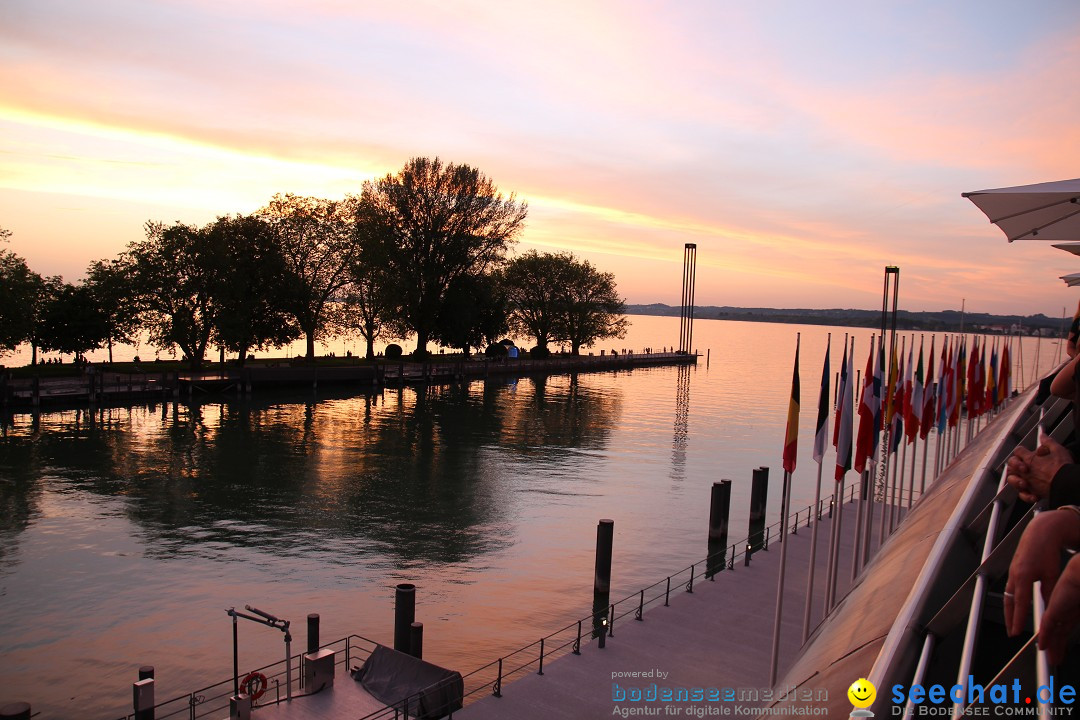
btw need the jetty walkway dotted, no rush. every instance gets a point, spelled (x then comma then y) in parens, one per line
(718, 636)
(102, 386)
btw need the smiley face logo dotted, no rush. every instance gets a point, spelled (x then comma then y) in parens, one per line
(862, 693)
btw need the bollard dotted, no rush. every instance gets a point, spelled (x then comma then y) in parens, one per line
(605, 532)
(15, 711)
(146, 672)
(720, 511)
(416, 640)
(759, 495)
(142, 693)
(313, 633)
(404, 615)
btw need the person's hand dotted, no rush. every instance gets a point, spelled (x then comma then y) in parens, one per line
(1032, 471)
(1038, 558)
(1062, 613)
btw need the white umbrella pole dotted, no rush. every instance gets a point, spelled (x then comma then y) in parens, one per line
(813, 559)
(780, 583)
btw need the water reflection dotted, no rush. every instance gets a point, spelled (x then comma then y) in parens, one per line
(682, 423)
(396, 477)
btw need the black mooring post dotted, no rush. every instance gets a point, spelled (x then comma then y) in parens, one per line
(313, 633)
(759, 496)
(404, 616)
(15, 711)
(719, 512)
(146, 672)
(605, 532)
(416, 640)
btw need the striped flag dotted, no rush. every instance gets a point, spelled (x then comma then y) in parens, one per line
(864, 445)
(821, 435)
(844, 423)
(944, 387)
(929, 400)
(791, 437)
(845, 378)
(915, 397)
(1005, 374)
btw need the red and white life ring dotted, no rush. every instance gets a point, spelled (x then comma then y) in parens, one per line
(254, 685)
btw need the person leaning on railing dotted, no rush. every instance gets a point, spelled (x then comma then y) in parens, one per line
(1038, 558)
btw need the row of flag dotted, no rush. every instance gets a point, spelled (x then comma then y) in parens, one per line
(907, 401)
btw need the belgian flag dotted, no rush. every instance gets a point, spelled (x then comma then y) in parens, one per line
(791, 437)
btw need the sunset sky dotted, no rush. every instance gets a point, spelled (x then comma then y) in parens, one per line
(802, 145)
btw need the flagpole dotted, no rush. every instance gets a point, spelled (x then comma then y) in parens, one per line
(821, 431)
(813, 558)
(791, 437)
(834, 550)
(922, 480)
(780, 583)
(911, 480)
(842, 430)
(859, 522)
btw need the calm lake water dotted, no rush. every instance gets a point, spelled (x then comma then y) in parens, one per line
(126, 533)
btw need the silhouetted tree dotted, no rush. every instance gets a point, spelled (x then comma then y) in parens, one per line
(71, 322)
(437, 223)
(319, 246)
(19, 290)
(534, 291)
(112, 292)
(251, 310)
(473, 313)
(590, 306)
(176, 273)
(368, 308)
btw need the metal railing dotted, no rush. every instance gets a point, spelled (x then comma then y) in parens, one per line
(601, 623)
(212, 700)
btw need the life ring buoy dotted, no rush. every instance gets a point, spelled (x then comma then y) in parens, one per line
(254, 685)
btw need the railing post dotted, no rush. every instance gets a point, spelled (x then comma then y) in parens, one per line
(690, 582)
(577, 642)
(497, 689)
(541, 672)
(667, 593)
(611, 622)
(640, 606)
(795, 528)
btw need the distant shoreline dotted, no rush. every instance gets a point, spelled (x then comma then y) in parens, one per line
(941, 321)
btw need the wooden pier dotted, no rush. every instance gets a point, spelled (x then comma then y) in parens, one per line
(104, 387)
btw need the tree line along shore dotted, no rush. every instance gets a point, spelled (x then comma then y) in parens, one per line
(423, 252)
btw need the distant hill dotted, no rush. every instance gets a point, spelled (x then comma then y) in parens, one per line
(942, 321)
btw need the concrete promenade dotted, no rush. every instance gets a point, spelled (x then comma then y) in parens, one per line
(720, 636)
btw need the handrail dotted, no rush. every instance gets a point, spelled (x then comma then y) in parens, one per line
(203, 702)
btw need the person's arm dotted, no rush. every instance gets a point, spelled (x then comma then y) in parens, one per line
(1062, 613)
(1065, 487)
(1038, 558)
(1064, 383)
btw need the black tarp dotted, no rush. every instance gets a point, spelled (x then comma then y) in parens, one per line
(392, 677)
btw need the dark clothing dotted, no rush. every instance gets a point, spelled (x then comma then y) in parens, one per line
(1065, 487)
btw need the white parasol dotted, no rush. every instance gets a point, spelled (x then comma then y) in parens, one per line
(1044, 211)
